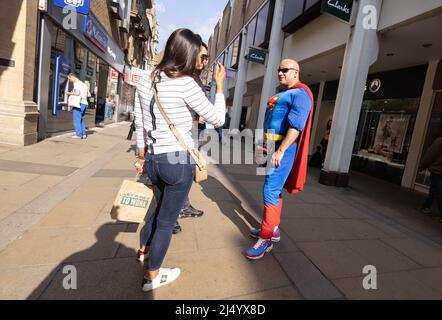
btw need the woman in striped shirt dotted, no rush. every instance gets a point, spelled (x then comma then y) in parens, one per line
(169, 166)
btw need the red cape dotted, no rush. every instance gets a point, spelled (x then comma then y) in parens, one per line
(296, 180)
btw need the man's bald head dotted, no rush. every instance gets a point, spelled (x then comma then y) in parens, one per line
(288, 72)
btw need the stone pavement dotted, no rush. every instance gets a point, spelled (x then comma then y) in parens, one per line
(56, 197)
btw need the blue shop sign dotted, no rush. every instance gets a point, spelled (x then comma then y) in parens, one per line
(256, 55)
(80, 6)
(94, 33)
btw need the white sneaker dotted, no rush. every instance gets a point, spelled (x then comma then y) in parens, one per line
(165, 276)
(76, 137)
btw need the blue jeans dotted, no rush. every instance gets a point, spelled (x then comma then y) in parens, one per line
(171, 185)
(79, 125)
(108, 111)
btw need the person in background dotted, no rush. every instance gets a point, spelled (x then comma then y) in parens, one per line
(316, 159)
(80, 91)
(432, 161)
(188, 211)
(109, 108)
(325, 139)
(180, 96)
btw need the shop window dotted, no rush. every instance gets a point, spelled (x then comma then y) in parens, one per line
(79, 52)
(221, 59)
(298, 13)
(264, 25)
(251, 28)
(91, 63)
(58, 41)
(232, 3)
(236, 49)
(383, 137)
(292, 10)
(434, 131)
(228, 58)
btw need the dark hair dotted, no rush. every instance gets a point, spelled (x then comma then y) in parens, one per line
(180, 55)
(202, 42)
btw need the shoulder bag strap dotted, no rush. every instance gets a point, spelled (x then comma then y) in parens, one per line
(175, 132)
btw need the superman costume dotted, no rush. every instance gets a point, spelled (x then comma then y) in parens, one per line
(292, 108)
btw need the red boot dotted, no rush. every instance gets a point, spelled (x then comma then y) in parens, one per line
(271, 219)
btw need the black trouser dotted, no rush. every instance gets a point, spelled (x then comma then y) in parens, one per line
(436, 189)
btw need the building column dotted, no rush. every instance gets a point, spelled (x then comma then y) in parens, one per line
(44, 66)
(271, 80)
(240, 84)
(361, 52)
(312, 147)
(18, 111)
(420, 127)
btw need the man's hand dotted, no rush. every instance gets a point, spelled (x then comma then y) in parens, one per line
(277, 158)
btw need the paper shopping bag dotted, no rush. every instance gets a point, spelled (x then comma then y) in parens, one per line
(132, 202)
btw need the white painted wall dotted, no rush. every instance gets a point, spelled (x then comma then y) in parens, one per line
(398, 11)
(255, 70)
(321, 35)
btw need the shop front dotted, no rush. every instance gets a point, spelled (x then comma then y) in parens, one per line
(386, 122)
(86, 50)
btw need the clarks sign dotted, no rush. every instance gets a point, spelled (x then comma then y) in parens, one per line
(256, 55)
(341, 9)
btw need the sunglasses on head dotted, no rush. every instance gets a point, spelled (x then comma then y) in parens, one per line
(204, 57)
(285, 70)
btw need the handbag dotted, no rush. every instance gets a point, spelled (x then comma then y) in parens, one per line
(201, 172)
(74, 101)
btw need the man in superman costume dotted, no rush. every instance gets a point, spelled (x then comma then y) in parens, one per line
(287, 122)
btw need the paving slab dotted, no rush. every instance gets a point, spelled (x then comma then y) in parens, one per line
(343, 259)
(311, 283)
(220, 274)
(17, 283)
(427, 254)
(390, 286)
(284, 293)
(55, 245)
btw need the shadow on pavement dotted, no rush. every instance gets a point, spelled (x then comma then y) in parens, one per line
(105, 271)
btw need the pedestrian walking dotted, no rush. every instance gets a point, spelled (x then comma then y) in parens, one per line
(78, 101)
(169, 166)
(288, 116)
(432, 161)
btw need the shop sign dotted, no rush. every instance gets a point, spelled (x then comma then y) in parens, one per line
(114, 75)
(80, 6)
(94, 33)
(136, 75)
(256, 55)
(340, 9)
(133, 75)
(374, 85)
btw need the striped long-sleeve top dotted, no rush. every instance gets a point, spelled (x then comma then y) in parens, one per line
(180, 99)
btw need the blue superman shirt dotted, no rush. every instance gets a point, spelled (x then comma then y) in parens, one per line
(288, 109)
